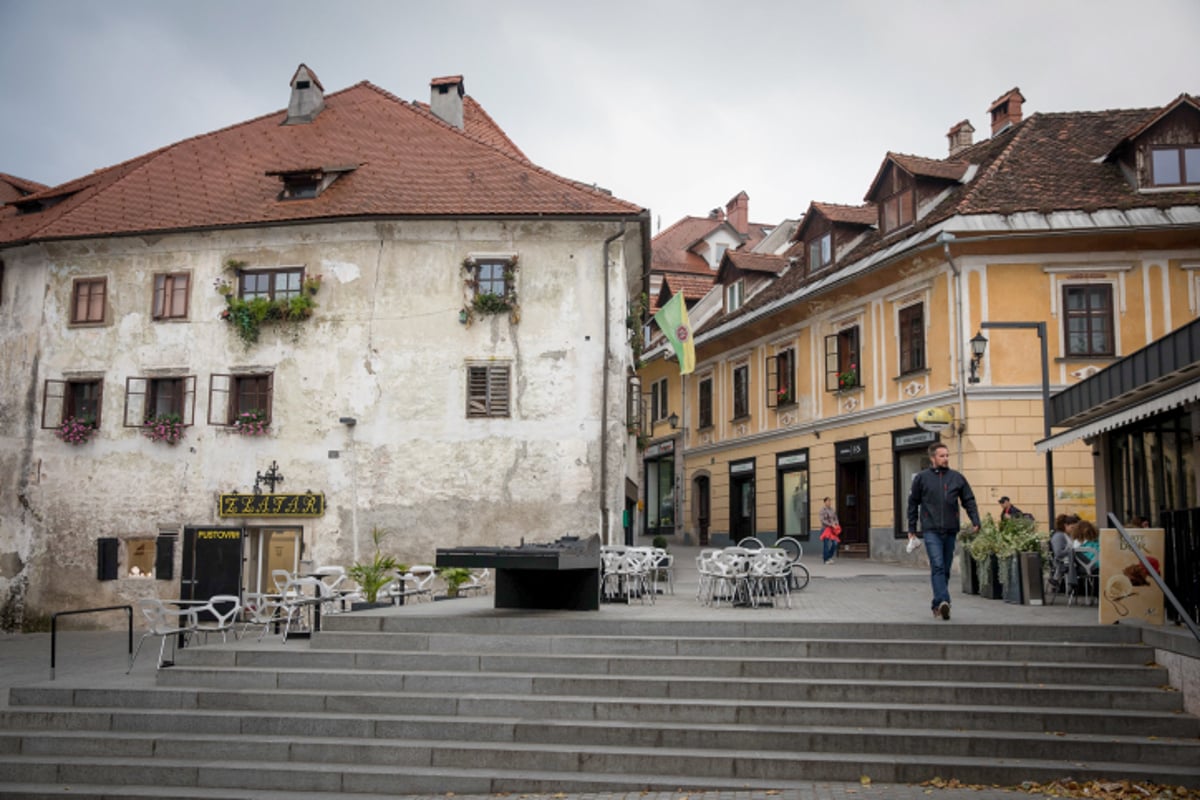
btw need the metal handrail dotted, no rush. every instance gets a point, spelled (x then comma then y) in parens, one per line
(54, 628)
(1153, 573)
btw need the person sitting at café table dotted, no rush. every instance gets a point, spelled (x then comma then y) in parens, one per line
(1088, 541)
(1060, 540)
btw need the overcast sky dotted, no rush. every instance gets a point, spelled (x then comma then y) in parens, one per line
(673, 105)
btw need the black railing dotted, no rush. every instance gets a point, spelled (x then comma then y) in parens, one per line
(54, 628)
(1182, 555)
(1179, 611)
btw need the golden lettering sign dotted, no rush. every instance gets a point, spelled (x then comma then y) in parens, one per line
(218, 534)
(271, 505)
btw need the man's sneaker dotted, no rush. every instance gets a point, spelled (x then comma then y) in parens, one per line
(944, 610)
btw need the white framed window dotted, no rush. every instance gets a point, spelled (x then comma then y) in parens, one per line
(658, 400)
(734, 295)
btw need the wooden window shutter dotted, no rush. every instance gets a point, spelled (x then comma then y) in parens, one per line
(487, 391)
(773, 381)
(832, 363)
(164, 558)
(106, 559)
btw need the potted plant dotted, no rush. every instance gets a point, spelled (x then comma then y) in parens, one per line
(252, 423)
(168, 428)
(454, 578)
(1016, 535)
(970, 572)
(76, 431)
(373, 575)
(984, 548)
(849, 378)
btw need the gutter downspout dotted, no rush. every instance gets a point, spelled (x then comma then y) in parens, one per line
(945, 237)
(604, 521)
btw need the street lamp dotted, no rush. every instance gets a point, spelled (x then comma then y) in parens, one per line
(978, 347)
(979, 344)
(673, 420)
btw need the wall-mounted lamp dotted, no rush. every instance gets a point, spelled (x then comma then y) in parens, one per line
(673, 420)
(978, 348)
(349, 422)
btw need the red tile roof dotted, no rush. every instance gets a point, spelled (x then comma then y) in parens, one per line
(1045, 163)
(670, 246)
(409, 163)
(756, 262)
(693, 287)
(14, 188)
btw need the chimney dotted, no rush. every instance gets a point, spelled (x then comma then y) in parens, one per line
(446, 99)
(308, 97)
(1006, 110)
(960, 136)
(738, 213)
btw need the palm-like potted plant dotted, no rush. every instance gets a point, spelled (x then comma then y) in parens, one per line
(371, 576)
(454, 578)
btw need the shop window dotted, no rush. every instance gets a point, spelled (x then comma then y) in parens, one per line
(793, 494)
(140, 557)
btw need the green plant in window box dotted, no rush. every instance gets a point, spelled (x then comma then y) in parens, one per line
(849, 378)
(248, 316)
(167, 428)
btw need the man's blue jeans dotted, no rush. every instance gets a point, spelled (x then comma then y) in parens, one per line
(939, 546)
(829, 548)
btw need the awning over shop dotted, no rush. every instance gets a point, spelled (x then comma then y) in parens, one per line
(1163, 402)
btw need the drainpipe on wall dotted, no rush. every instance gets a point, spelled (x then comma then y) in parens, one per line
(945, 237)
(604, 392)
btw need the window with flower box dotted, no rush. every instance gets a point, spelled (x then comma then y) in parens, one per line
(843, 368)
(89, 297)
(488, 390)
(270, 284)
(781, 379)
(72, 399)
(236, 398)
(153, 398)
(171, 291)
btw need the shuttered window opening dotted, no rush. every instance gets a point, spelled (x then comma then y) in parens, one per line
(487, 390)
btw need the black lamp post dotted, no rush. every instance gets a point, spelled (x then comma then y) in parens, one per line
(979, 345)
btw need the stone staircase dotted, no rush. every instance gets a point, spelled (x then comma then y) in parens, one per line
(379, 705)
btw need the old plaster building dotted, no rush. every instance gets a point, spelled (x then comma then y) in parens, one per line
(807, 385)
(383, 304)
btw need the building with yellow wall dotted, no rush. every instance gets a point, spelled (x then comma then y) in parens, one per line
(1088, 222)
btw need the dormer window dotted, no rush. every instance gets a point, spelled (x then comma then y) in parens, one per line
(734, 295)
(1175, 166)
(896, 211)
(820, 252)
(309, 182)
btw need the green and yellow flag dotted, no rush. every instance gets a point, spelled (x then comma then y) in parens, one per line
(673, 320)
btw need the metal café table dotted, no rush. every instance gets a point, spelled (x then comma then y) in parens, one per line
(564, 574)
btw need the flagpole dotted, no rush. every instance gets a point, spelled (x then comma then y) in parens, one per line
(682, 493)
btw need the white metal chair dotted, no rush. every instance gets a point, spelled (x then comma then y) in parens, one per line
(218, 615)
(166, 623)
(261, 609)
(480, 582)
(419, 582)
(301, 596)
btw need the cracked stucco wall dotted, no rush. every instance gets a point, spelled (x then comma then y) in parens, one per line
(385, 346)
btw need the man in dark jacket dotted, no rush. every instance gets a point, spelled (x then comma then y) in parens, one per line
(935, 497)
(1008, 510)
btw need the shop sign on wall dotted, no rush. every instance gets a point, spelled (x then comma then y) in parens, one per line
(272, 505)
